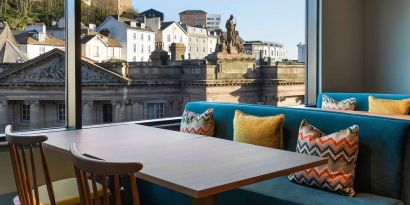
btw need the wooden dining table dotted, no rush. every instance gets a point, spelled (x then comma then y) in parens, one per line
(198, 166)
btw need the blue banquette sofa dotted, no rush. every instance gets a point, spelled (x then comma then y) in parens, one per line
(362, 99)
(383, 167)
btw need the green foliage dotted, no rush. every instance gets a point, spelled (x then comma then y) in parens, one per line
(19, 13)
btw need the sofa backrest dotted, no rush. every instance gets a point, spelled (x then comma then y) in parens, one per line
(362, 98)
(380, 167)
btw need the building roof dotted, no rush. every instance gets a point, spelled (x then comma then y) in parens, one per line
(109, 42)
(27, 38)
(259, 42)
(165, 25)
(193, 12)
(9, 48)
(152, 11)
(128, 21)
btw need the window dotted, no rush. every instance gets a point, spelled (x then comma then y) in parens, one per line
(149, 49)
(169, 38)
(96, 51)
(25, 113)
(142, 48)
(142, 36)
(135, 48)
(134, 36)
(42, 50)
(60, 112)
(134, 58)
(156, 110)
(149, 37)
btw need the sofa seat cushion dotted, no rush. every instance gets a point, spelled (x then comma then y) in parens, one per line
(281, 191)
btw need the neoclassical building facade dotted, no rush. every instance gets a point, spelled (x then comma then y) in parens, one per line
(32, 93)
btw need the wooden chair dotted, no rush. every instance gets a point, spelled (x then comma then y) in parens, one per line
(86, 167)
(22, 149)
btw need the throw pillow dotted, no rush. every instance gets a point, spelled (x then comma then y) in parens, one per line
(341, 150)
(329, 103)
(201, 124)
(262, 131)
(384, 106)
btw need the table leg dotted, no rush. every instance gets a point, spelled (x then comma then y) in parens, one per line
(209, 200)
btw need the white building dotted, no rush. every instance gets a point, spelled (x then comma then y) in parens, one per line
(201, 43)
(100, 48)
(213, 21)
(301, 53)
(35, 41)
(136, 40)
(172, 32)
(266, 51)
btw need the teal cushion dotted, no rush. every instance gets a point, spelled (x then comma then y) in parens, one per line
(362, 103)
(283, 192)
(382, 140)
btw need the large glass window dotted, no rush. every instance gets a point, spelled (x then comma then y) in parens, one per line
(32, 64)
(143, 84)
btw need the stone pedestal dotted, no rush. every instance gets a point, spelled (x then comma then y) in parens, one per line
(159, 58)
(232, 66)
(177, 51)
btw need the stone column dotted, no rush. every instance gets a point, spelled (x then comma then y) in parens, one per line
(4, 121)
(35, 115)
(137, 110)
(119, 111)
(88, 113)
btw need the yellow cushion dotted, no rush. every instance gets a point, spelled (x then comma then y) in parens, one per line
(262, 131)
(65, 192)
(384, 106)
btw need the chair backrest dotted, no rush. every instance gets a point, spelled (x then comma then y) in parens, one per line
(89, 169)
(21, 147)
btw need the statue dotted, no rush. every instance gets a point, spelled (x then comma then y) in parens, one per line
(239, 43)
(230, 32)
(230, 42)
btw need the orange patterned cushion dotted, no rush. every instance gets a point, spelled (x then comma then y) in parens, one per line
(201, 124)
(340, 148)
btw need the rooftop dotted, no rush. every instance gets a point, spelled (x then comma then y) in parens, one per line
(193, 12)
(28, 38)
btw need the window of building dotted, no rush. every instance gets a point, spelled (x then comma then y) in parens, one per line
(142, 36)
(135, 48)
(60, 112)
(149, 37)
(25, 112)
(96, 51)
(169, 38)
(42, 50)
(134, 36)
(134, 58)
(142, 48)
(149, 49)
(156, 110)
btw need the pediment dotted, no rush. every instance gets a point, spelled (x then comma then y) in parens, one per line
(50, 69)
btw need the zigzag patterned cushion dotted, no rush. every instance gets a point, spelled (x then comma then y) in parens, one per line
(329, 103)
(340, 148)
(201, 124)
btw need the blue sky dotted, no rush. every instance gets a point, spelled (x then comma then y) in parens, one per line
(280, 21)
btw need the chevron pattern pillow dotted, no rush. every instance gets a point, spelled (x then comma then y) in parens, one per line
(201, 124)
(329, 103)
(341, 150)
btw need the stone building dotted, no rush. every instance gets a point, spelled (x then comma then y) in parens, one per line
(9, 48)
(194, 18)
(32, 93)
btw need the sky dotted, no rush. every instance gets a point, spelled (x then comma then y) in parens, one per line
(281, 21)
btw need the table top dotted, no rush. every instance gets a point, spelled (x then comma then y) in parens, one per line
(195, 165)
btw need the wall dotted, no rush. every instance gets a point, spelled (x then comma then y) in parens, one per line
(60, 167)
(343, 49)
(388, 46)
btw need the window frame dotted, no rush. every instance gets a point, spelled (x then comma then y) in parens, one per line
(25, 113)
